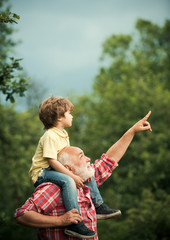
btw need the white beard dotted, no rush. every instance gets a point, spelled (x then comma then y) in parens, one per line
(86, 173)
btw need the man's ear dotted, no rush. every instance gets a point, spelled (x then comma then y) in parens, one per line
(69, 168)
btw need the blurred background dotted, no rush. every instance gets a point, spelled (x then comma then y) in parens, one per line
(112, 60)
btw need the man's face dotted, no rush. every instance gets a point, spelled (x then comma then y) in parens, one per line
(81, 163)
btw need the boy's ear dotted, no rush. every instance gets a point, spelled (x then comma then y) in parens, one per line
(59, 119)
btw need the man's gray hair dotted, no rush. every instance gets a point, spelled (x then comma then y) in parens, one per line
(64, 159)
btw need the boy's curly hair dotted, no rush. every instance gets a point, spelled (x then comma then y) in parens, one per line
(53, 108)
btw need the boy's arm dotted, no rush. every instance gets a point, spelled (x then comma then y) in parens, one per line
(38, 220)
(119, 148)
(56, 165)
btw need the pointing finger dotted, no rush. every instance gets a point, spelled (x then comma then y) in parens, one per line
(147, 116)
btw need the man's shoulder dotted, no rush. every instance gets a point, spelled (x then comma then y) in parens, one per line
(48, 189)
(47, 197)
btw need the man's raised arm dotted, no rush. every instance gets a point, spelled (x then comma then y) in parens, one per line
(117, 150)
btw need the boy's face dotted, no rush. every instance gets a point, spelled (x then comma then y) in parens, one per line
(67, 119)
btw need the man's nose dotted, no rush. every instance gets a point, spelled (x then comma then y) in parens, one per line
(88, 159)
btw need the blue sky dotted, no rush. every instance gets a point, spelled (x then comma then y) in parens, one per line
(62, 39)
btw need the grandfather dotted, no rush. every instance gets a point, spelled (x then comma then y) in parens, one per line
(45, 208)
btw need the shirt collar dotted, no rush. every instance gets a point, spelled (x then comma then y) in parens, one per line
(61, 133)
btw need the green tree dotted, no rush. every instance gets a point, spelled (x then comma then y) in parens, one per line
(133, 80)
(18, 139)
(12, 81)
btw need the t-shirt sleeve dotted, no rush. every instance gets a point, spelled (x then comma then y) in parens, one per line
(50, 147)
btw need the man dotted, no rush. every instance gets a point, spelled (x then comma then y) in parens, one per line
(45, 209)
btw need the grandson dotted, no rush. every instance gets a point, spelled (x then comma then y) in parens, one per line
(55, 114)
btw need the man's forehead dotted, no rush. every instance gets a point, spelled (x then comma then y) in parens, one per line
(73, 150)
(79, 151)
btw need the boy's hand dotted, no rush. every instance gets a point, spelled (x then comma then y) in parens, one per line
(79, 181)
(89, 179)
(142, 125)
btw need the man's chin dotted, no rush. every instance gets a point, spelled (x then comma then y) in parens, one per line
(86, 173)
(89, 173)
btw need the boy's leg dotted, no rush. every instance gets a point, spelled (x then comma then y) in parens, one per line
(68, 187)
(102, 210)
(94, 192)
(69, 193)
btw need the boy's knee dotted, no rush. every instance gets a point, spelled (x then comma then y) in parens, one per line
(71, 180)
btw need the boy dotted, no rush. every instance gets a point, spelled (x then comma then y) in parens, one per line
(55, 114)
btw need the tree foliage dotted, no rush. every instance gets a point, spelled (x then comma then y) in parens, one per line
(19, 133)
(12, 81)
(134, 79)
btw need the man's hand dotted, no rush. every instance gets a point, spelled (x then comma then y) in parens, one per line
(142, 125)
(117, 150)
(71, 217)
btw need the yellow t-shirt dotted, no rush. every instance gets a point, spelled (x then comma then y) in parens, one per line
(50, 144)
